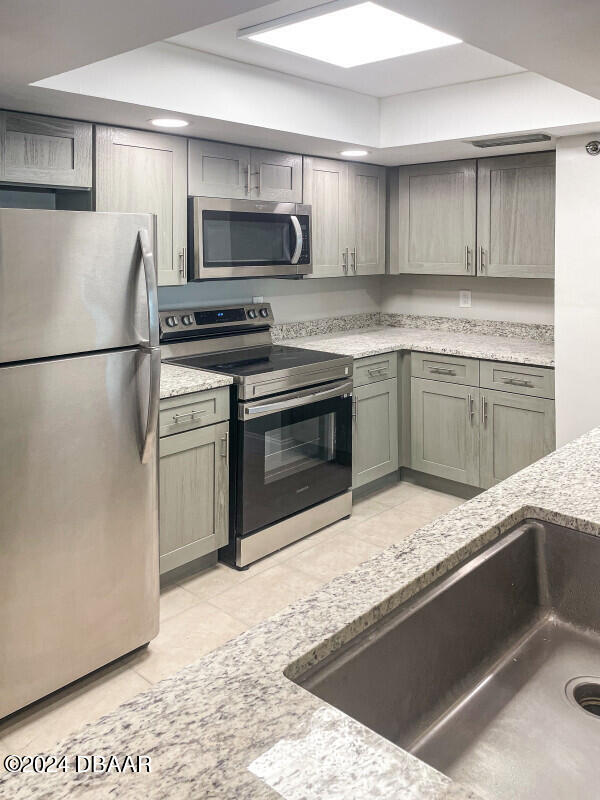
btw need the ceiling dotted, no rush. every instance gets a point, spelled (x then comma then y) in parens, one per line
(440, 67)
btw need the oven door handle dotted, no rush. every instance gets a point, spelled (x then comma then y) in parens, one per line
(299, 239)
(301, 399)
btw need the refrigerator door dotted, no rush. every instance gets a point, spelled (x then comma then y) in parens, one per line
(79, 582)
(70, 282)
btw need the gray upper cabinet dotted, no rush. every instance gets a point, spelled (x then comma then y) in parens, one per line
(45, 151)
(445, 430)
(368, 218)
(217, 169)
(375, 431)
(432, 213)
(326, 190)
(139, 171)
(276, 176)
(194, 494)
(516, 430)
(515, 216)
(348, 217)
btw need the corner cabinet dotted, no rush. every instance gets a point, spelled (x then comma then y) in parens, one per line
(493, 217)
(45, 151)
(139, 171)
(375, 419)
(193, 477)
(217, 169)
(432, 210)
(348, 217)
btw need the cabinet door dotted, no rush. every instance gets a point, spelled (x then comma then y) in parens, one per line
(445, 430)
(44, 150)
(516, 430)
(276, 176)
(139, 171)
(216, 169)
(515, 216)
(194, 494)
(432, 219)
(375, 431)
(367, 204)
(326, 190)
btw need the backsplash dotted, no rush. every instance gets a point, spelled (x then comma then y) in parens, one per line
(320, 327)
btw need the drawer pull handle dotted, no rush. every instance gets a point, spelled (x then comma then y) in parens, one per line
(442, 371)
(177, 418)
(518, 382)
(377, 371)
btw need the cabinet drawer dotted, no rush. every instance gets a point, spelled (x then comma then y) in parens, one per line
(195, 410)
(533, 381)
(375, 368)
(452, 369)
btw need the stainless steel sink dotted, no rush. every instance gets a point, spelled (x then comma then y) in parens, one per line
(492, 674)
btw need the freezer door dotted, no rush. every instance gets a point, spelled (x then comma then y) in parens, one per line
(78, 520)
(70, 282)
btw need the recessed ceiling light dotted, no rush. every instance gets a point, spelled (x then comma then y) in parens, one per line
(165, 122)
(348, 36)
(354, 153)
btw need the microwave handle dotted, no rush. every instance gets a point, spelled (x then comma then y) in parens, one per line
(299, 239)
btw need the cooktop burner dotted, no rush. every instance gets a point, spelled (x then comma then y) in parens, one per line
(259, 360)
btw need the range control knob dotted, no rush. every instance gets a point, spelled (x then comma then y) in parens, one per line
(252, 313)
(264, 312)
(171, 321)
(187, 319)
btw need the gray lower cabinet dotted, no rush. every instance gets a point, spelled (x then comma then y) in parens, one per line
(432, 218)
(194, 494)
(445, 430)
(141, 171)
(217, 169)
(516, 430)
(375, 431)
(515, 216)
(45, 151)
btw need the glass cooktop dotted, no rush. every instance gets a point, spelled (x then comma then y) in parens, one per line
(256, 360)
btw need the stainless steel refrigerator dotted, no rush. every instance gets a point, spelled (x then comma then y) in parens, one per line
(79, 397)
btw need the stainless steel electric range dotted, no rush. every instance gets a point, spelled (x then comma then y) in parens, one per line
(290, 448)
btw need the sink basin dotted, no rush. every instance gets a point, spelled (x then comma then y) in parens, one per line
(492, 674)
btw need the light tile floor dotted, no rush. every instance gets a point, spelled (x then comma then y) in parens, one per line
(203, 611)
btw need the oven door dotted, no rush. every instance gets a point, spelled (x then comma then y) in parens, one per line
(294, 451)
(245, 239)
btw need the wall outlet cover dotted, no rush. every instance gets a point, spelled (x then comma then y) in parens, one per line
(260, 299)
(464, 299)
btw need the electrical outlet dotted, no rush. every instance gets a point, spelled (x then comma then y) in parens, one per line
(258, 299)
(464, 299)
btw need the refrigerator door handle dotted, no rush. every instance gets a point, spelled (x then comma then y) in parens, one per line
(151, 288)
(153, 404)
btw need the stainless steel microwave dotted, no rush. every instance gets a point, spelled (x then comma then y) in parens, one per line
(249, 239)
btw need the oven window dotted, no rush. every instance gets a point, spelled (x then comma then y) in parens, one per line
(302, 445)
(246, 239)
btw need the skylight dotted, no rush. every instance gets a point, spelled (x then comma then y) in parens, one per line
(349, 36)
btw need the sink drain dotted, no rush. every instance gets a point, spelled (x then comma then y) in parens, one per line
(585, 693)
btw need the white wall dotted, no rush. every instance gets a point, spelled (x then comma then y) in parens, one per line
(513, 300)
(577, 288)
(292, 300)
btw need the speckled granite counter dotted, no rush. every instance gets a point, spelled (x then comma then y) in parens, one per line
(233, 726)
(183, 380)
(370, 341)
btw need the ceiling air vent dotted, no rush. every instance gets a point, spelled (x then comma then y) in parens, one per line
(527, 138)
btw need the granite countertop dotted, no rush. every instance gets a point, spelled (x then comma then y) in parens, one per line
(232, 725)
(382, 339)
(184, 380)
